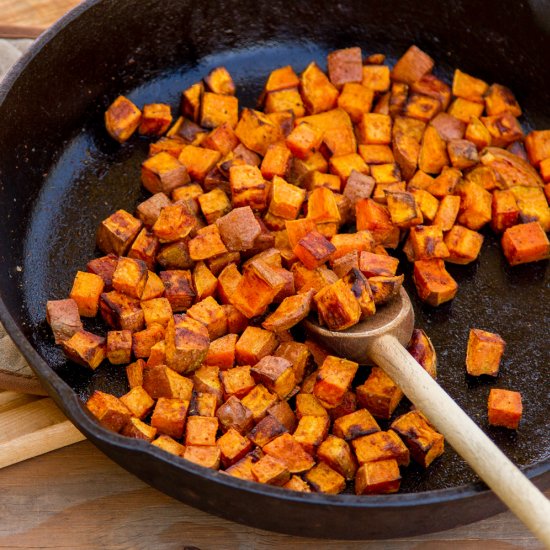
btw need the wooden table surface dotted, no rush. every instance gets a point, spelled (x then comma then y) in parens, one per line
(77, 498)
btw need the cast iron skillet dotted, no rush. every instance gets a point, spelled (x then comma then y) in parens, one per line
(60, 175)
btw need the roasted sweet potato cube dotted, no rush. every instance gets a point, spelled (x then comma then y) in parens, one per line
(412, 66)
(462, 153)
(178, 288)
(427, 242)
(431, 86)
(385, 289)
(206, 379)
(236, 321)
(525, 243)
(381, 446)
(537, 144)
(221, 352)
(336, 453)
(237, 381)
(243, 468)
(122, 119)
(139, 430)
(375, 218)
(217, 109)
(281, 78)
(175, 222)
(424, 443)
(545, 173)
(191, 101)
(157, 354)
(316, 279)
(145, 248)
(380, 477)
(134, 373)
(155, 119)
(258, 401)
(343, 165)
(478, 134)
(449, 127)
(204, 281)
(266, 431)
(532, 205)
(139, 402)
(284, 120)
(504, 129)
(403, 209)
(248, 187)
(117, 232)
(109, 410)
(104, 267)
(203, 455)
(333, 380)
(376, 77)
(447, 212)
(338, 306)
(297, 484)
(162, 173)
(475, 206)
(354, 425)
(318, 93)
(420, 180)
(276, 161)
(156, 311)
(347, 406)
(271, 471)
(85, 348)
(144, 340)
(287, 449)
(186, 343)
(374, 129)
(256, 131)
(201, 430)
(421, 107)
(286, 199)
(323, 479)
(203, 404)
(186, 130)
(254, 293)
(171, 145)
(298, 354)
(121, 312)
(228, 282)
(315, 179)
(484, 352)
(239, 228)
(233, 447)
(175, 255)
(355, 99)
(219, 81)
(311, 432)
(198, 161)
(313, 249)
(233, 414)
(422, 350)
(130, 276)
(63, 318)
(463, 245)
(464, 109)
(291, 311)
(149, 210)
(433, 283)
(221, 139)
(161, 381)
(119, 347)
(379, 394)
(504, 408)
(207, 244)
(500, 99)
(433, 152)
(346, 243)
(214, 205)
(288, 100)
(469, 87)
(166, 443)
(308, 405)
(427, 203)
(276, 374)
(344, 66)
(360, 288)
(169, 416)
(304, 140)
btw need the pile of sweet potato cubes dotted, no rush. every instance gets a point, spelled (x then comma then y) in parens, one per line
(259, 217)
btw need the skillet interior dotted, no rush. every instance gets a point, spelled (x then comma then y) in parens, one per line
(64, 175)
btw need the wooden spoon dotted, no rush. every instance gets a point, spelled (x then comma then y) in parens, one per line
(380, 340)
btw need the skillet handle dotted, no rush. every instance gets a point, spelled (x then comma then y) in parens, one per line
(485, 458)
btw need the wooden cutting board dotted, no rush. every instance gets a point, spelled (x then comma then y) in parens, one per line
(28, 18)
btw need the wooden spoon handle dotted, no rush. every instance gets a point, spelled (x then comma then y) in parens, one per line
(485, 458)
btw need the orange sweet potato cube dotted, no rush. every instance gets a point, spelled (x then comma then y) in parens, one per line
(86, 291)
(376, 265)
(139, 430)
(504, 129)
(121, 312)
(207, 456)
(478, 134)
(355, 99)
(236, 321)
(304, 140)
(427, 203)
(149, 210)
(422, 350)
(336, 453)
(211, 315)
(214, 205)
(333, 380)
(504, 408)
(155, 119)
(266, 430)
(447, 212)
(308, 405)
(144, 340)
(237, 381)
(248, 187)
(288, 100)
(254, 344)
(291, 311)
(233, 447)
(376, 77)
(186, 343)
(109, 410)
(338, 306)
(525, 243)
(201, 430)
(385, 289)
(344, 243)
(117, 232)
(343, 165)
(381, 446)
(433, 152)
(169, 416)
(145, 248)
(424, 443)
(445, 183)
(374, 129)
(318, 93)
(313, 249)
(298, 355)
(344, 66)
(462, 153)
(161, 381)
(221, 352)
(85, 348)
(281, 78)
(421, 107)
(545, 173)
(427, 242)
(311, 432)
(175, 222)
(198, 161)
(322, 206)
(379, 394)
(380, 477)
(219, 81)
(287, 449)
(433, 283)
(475, 206)
(258, 401)
(206, 379)
(186, 130)
(532, 205)
(354, 425)
(360, 288)
(243, 468)
(206, 244)
(204, 281)
(403, 208)
(157, 354)
(156, 311)
(162, 173)
(469, 87)
(286, 199)
(276, 374)
(276, 161)
(448, 126)
(297, 484)
(463, 244)
(203, 404)
(375, 218)
(130, 277)
(178, 288)
(323, 479)
(234, 414)
(484, 352)
(218, 109)
(63, 318)
(256, 131)
(139, 402)
(119, 346)
(221, 139)
(122, 119)
(191, 101)
(537, 144)
(239, 228)
(465, 109)
(271, 471)
(412, 66)
(228, 281)
(166, 443)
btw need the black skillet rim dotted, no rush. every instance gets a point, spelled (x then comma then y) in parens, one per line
(68, 400)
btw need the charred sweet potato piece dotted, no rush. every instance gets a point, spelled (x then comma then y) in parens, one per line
(433, 283)
(403, 209)
(85, 348)
(381, 446)
(323, 479)
(155, 119)
(504, 408)
(219, 81)
(122, 119)
(375, 265)
(511, 170)
(178, 288)
(433, 87)
(63, 318)
(313, 249)
(463, 244)
(484, 352)
(462, 153)
(186, 343)
(427, 242)
(237, 381)
(354, 425)
(337, 306)
(525, 243)
(109, 410)
(424, 443)
(276, 374)
(234, 414)
(290, 312)
(191, 101)
(378, 477)
(421, 107)
(385, 289)
(379, 394)
(121, 312)
(104, 267)
(266, 431)
(218, 109)
(248, 187)
(119, 347)
(532, 205)
(376, 218)
(478, 134)
(422, 350)
(117, 232)
(504, 129)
